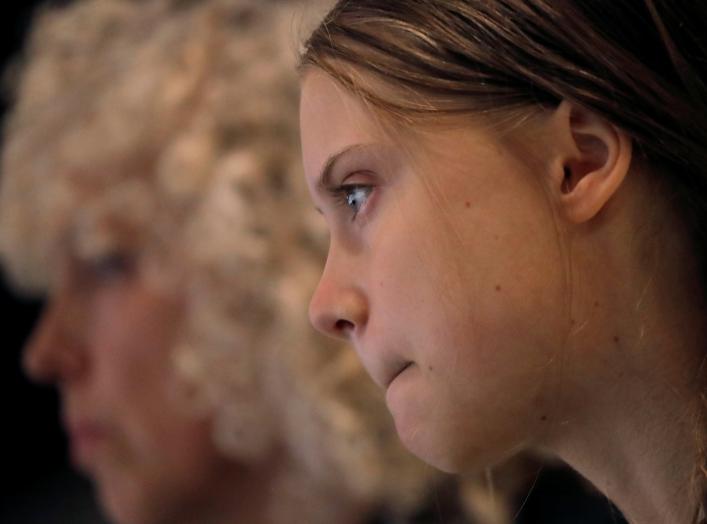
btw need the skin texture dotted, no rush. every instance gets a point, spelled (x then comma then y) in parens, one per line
(517, 281)
(400, 272)
(105, 340)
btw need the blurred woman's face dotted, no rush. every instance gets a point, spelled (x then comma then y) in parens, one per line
(443, 270)
(105, 340)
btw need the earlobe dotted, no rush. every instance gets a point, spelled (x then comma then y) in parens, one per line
(593, 159)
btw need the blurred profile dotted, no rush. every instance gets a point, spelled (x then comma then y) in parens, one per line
(151, 191)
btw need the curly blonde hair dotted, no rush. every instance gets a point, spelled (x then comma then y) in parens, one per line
(168, 129)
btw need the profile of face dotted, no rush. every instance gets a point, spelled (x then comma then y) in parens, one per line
(105, 340)
(444, 271)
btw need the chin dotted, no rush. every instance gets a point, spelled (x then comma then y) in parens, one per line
(447, 448)
(460, 460)
(427, 443)
(120, 512)
(130, 503)
(423, 426)
(434, 453)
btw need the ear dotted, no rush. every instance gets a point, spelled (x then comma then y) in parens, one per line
(593, 158)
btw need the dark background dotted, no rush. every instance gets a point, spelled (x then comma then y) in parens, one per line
(39, 486)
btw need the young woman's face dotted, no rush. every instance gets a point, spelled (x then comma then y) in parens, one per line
(106, 340)
(444, 271)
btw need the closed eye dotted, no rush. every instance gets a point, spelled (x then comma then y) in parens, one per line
(111, 266)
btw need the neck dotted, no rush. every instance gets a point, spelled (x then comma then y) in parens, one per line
(640, 453)
(634, 416)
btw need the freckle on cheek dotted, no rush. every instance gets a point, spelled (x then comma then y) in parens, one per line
(498, 287)
(616, 339)
(543, 418)
(467, 204)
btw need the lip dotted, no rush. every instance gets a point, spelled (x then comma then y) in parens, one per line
(382, 365)
(398, 370)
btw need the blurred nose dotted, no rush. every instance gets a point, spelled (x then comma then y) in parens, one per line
(55, 353)
(338, 307)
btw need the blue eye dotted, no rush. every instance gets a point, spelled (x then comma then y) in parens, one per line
(354, 196)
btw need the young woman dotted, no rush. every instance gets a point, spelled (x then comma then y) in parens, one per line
(517, 199)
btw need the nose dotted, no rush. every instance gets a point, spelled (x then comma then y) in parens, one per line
(338, 308)
(55, 353)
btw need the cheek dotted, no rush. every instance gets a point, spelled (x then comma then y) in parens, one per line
(504, 280)
(485, 316)
(481, 389)
(133, 335)
(500, 320)
(136, 381)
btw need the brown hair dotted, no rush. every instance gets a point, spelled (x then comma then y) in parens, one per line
(639, 63)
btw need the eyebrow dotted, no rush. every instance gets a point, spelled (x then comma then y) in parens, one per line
(324, 180)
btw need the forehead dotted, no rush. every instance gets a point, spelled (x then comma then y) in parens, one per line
(331, 120)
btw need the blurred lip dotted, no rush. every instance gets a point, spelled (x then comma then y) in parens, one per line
(85, 436)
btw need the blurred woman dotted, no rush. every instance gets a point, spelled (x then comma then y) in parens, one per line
(150, 190)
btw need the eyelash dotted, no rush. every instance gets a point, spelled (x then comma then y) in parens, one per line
(344, 195)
